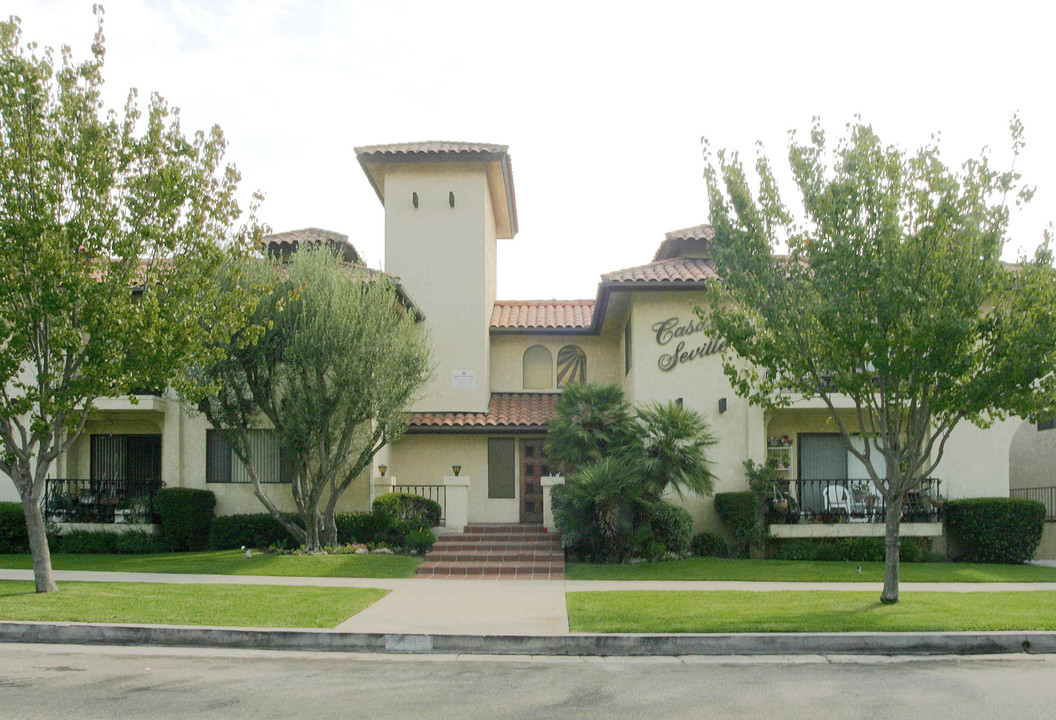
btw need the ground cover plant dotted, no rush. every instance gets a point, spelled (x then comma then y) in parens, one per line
(711, 568)
(817, 611)
(234, 562)
(275, 606)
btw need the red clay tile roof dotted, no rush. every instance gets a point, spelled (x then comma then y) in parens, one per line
(506, 411)
(288, 241)
(542, 314)
(691, 242)
(697, 232)
(430, 146)
(667, 272)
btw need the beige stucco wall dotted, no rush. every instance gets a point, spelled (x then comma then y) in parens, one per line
(700, 383)
(975, 462)
(445, 257)
(1032, 457)
(507, 354)
(418, 459)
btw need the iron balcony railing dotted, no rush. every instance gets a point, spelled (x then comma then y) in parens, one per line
(99, 500)
(436, 493)
(845, 500)
(1046, 495)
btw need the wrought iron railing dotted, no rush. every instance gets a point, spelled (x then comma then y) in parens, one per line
(99, 501)
(1046, 495)
(436, 493)
(845, 500)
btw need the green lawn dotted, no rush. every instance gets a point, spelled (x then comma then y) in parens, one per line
(273, 606)
(800, 571)
(678, 611)
(233, 562)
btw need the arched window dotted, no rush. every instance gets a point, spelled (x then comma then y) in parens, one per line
(571, 365)
(538, 368)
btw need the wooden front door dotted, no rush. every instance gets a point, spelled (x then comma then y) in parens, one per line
(534, 465)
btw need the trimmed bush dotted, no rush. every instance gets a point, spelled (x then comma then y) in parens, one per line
(88, 542)
(996, 530)
(860, 549)
(419, 541)
(186, 515)
(367, 528)
(255, 530)
(671, 526)
(737, 510)
(406, 507)
(14, 538)
(710, 544)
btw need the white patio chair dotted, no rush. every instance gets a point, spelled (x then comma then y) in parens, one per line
(838, 498)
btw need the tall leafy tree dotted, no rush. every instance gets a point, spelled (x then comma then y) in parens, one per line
(111, 226)
(892, 300)
(329, 363)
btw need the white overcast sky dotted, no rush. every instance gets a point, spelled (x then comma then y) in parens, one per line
(603, 104)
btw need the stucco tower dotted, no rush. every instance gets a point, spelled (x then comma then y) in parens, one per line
(446, 205)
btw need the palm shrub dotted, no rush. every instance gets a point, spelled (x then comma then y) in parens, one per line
(598, 509)
(671, 449)
(591, 421)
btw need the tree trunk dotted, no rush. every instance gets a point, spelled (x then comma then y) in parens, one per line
(892, 517)
(38, 544)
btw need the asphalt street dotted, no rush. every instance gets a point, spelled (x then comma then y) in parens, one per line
(72, 682)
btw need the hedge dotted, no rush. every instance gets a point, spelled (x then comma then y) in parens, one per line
(996, 530)
(407, 508)
(254, 530)
(859, 549)
(14, 538)
(737, 510)
(98, 542)
(186, 516)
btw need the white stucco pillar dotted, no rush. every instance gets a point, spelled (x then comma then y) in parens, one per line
(549, 482)
(456, 513)
(171, 441)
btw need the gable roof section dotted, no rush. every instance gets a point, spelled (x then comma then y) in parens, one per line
(681, 270)
(542, 315)
(507, 412)
(377, 159)
(286, 242)
(691, 241)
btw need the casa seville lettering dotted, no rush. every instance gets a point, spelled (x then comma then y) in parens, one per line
(672, 329)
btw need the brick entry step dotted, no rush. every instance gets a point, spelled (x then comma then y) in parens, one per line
(494, 552)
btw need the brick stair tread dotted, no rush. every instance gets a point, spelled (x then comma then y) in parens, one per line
(492, 557)
(523, 547)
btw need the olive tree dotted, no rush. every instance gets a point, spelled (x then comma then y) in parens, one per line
(892, 300)
(329, 363)
(111, 225)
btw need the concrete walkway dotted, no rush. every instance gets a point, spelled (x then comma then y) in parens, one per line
(491, 607)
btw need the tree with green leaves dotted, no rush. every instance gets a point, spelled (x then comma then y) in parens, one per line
(671, 449)
(329, 363)
(892, 300)
(591, 421)
(111, 229)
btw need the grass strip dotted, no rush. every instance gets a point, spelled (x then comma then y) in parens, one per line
(680, 611)
(698, 568)
(233, 562)
(161, 604)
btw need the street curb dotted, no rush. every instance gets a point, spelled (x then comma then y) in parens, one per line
(923, 643)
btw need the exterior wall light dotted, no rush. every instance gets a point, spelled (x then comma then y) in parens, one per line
(414, 199)
(451, 198)
(382, 469)
(456, 469)
(722, 405)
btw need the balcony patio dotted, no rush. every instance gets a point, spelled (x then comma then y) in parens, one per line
(106, 501)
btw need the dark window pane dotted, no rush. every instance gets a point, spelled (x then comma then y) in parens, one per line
(501, 468)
